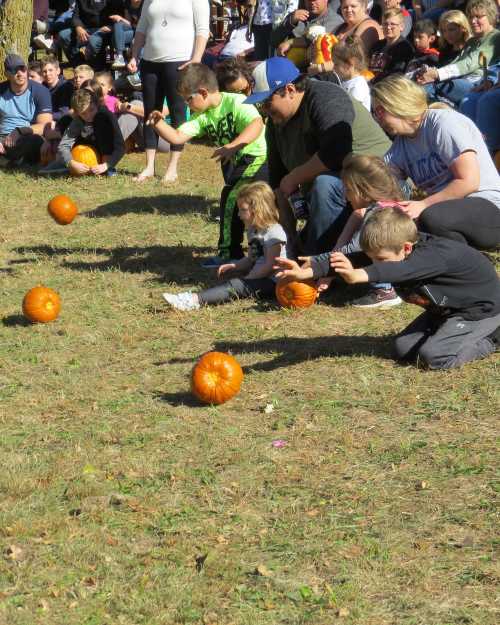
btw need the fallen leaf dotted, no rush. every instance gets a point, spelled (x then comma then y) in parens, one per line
(343, 612)
(269, 408)
(13, 552)
(200, 562)
(263, 571)
(422, 485)
(43, 604)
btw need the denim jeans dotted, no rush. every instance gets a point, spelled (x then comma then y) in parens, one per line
(67, 37)
(328, 214)
(453, 90)
(483, 109)
(122, 35)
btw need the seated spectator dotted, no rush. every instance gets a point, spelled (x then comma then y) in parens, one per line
(105, 82)
(357, 23)
(426, 54)
(93, 125)
(312, 125)
(482, 105)
(455, 33)
(35, 71)
(444, 154)
(350, 62)
(237, 45)
(61, 90)
(131, 123)
(25, 109)
(123, 29)
(81, 73)
(452, 82)
(91, 27)
(408, 21)
(394, 52)
(292, 34)
(268, 15)
(234, 76)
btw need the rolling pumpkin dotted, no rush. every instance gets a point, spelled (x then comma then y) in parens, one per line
(85, 154)
(296, 294)
(62, 209)
(41, 304)
(216, 378)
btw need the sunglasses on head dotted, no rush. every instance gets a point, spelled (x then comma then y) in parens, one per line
(19, 68)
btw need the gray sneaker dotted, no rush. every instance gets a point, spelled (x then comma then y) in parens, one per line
(52, 169)
(182, 301)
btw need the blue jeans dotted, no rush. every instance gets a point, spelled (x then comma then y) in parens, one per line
(67, 37)
(122, 35)
(61, 22)
(453, 90)
(328, 214)
(483, 108)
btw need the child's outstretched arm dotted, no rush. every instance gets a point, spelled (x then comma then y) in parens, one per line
(243, 264)
(247, 136)
(166, 131)
(289, 270)
(343, 266)
(353, 224)
(266, 269)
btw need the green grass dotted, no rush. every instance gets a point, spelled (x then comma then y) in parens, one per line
(124, 501)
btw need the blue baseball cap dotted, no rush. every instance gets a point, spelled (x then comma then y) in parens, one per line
(271, 75)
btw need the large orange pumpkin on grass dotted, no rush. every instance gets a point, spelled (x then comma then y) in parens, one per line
(85, 154)
(296, 294)
(216, 377)
(41, 304)
(62, 209)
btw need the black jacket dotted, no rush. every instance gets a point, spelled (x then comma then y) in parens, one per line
(95, 13)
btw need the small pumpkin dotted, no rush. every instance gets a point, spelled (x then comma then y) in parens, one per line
(85, 154)
(62, 209)
(216, 378)
(322, 48)
(41, 304)
(296, 294)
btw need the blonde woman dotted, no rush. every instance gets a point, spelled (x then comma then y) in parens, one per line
(445, 155)
(455, 33)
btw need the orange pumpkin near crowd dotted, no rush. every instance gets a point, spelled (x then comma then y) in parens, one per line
(41, 305)
(62, 209)
(85, 154)
(296, 294)
(216, 378)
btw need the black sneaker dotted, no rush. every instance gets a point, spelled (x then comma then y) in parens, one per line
(378, 298)
(495, 338)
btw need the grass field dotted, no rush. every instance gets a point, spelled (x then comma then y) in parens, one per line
(124, 501)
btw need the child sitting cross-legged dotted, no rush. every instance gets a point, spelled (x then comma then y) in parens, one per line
(266, 242)
(236, 129)
(456, 285)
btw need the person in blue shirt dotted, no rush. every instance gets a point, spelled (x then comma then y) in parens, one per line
(25, 110)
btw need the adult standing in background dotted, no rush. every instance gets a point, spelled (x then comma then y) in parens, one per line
(265, 16)
(171, 35)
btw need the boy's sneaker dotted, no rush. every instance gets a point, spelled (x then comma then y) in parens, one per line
(216, 261)
(119, 62)
(42, 42)
(182, 301)
(52, 169)
(111, 172)
(134, 80)
(378, 298)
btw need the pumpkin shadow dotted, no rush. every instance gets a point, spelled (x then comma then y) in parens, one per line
(293, 350)
(156, 204)
(16, 320)
(182, 398)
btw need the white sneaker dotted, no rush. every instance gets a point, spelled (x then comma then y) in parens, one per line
(44, 43)
(118, 62)
(182, 301)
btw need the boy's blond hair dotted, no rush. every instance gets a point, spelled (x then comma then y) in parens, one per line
(400, 96)
(369, 178)
(387, 229)
(50, 60)
(261, 201)
(82, 99)
(393, 13)
(84, 69)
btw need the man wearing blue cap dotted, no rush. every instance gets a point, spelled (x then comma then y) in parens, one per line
(25, 109)
(313, 125)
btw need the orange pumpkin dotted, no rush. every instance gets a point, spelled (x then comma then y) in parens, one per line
(62, 209)
(296, 294)
(85, 154)
(216, 378)
(41, 304)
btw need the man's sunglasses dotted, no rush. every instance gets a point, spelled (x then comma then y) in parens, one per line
(19, 68)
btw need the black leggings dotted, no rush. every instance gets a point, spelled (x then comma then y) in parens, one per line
(471, 220)
(159, 81)
(237, 288)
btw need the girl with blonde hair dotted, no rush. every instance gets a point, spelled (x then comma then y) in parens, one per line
(266, 241)
(445, 155)
(455, 32)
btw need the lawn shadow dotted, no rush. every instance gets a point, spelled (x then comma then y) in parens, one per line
(182, 398)
(167, 204)
(16, 320)
(174, 263)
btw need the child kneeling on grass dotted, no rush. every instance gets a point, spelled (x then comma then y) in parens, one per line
(266, 242)
(238, 131)
(457, 285)
(95, 126)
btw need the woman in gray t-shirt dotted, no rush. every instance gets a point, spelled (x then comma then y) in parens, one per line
(445, 155)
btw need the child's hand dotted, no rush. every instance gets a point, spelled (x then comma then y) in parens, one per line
(288, 270)
(223, 268)
(154, 118)
(224, 154)
(323, 284)
(99, 169)
(79, 168)
(342, 266)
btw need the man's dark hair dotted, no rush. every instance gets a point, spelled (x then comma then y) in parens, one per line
(197, 76)
(35, 66)
(299, 83)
